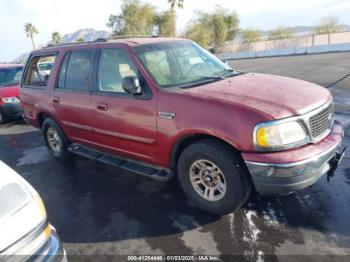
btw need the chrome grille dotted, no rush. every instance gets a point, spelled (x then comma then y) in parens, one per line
(321, 122)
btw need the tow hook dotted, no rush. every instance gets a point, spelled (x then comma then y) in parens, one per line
(334, 162)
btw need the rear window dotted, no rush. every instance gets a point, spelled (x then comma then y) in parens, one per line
(39, 71)
(10, 76)
(76, 70)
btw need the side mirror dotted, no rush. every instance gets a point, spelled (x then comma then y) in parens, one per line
(131, 85)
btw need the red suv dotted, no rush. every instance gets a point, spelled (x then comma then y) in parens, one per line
(10, 76)
(163, 107)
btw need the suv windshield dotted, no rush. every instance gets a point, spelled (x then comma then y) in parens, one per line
(10, 76)
(182, 64)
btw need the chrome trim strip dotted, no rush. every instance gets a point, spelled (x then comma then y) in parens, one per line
(167, 115)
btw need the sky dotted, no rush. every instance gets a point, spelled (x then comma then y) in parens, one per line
(66, 16)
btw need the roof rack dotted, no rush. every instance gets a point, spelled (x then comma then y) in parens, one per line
(76, 43)
(115, 37)
(101, 39)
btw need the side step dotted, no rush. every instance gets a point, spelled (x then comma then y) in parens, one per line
(127, 164)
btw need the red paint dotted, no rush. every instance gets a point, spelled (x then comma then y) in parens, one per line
(9, 91)
(227, 109)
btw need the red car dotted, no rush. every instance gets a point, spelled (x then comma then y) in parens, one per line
(10, 76)
(163, 107)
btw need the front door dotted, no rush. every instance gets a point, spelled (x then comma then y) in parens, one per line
(122, 122)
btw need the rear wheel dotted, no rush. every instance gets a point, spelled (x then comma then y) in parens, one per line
(55, 139)
(213, 177)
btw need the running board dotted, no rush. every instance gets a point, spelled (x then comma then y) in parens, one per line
(127, 164)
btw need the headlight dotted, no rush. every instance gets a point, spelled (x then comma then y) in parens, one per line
(10, 100)
(279, 135)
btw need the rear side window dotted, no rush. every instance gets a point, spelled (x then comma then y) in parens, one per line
(39, 71)
(76, 70)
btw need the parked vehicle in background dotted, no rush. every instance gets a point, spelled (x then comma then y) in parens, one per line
(25, 232)
(45, 68)
(10, 76)
(160, 106)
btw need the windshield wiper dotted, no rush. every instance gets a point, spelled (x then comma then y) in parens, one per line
(208, 79)
(213, 77)
(232, 72)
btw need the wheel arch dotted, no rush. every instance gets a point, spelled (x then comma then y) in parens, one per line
(186, 140)
(42, 116)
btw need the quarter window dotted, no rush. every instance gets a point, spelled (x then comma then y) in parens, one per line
(114, 65)
(39, 71)
(75, 70)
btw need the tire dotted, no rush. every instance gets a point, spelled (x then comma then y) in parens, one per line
(50, 129)
(3, 118)
(230, 170)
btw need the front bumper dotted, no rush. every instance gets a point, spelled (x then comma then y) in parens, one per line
(284, 178)
(12, 110)
(32, 248)
(51, 251)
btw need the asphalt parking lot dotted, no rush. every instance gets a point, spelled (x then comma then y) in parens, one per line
(98, 209)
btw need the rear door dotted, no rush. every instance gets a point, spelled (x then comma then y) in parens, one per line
(70, 97)
(122, 122)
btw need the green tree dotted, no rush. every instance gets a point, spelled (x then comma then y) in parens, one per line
(30, 30)
(328, 25)
(211, 30)
(167, 23)
(251, 35)
(135, 19)
(56, 37)
(280, 33)
(167, 20)
(80, 40)
(174, 3)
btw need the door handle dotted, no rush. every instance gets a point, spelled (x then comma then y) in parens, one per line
(56, 100)
(102, 107)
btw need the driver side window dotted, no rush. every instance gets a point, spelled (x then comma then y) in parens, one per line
(114, 65)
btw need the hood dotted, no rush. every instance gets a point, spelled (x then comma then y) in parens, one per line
(276, 96)
(19, 212)
(9, 91)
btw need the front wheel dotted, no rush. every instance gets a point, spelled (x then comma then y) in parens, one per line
(213, 177)
(55, 139)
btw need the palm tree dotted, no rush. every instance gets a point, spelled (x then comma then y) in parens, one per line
(178, 3)
(30, 31)
(56, 37)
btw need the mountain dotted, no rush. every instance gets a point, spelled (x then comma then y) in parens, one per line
(88, 34)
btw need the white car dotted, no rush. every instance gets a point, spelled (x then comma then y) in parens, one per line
(25, 232)
(45, 68)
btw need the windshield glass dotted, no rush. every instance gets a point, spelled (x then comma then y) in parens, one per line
(10, 76)
(181, 64)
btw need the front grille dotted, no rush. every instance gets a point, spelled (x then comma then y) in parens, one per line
(321, 122)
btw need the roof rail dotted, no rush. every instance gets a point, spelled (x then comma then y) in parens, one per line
(76, 43)
(101, 39)
(115, 37)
